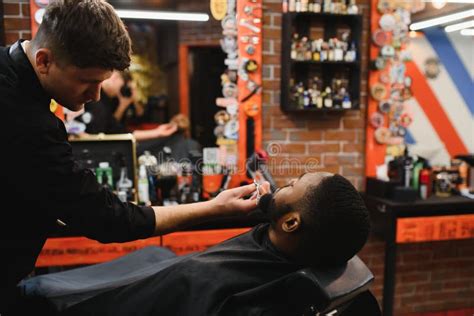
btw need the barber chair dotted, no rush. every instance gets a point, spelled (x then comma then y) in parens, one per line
(316, 292)
(336, 291)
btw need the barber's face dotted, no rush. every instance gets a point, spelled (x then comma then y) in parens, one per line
(72, 86)
(290, 193)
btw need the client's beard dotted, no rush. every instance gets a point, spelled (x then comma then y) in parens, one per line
(266, 203)
(268, 207)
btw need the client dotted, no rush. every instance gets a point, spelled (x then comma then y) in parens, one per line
(317, 220)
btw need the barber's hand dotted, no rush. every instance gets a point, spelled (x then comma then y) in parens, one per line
(231, 201)
(166, 129)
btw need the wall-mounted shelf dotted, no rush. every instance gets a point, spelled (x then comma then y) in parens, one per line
(315, 26)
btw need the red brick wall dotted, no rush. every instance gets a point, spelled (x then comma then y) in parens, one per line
(431, 276)
(334, 142)
(435, 276)
(16, 20)
(197, 32)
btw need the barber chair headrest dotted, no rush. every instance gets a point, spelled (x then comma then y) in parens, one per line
(309, 291)
(328, 289)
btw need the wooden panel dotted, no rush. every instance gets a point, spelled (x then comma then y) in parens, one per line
(69, 251)
(420, 229)
(183, 243)
(80, 251)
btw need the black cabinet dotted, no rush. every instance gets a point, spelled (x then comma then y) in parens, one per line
(320, 51)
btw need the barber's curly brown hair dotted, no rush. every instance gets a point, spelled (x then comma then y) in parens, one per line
(84, 33)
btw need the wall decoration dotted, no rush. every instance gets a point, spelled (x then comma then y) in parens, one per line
(442, 105)
(429, 88)
(239, 124)
(387, 80)
(432, 68)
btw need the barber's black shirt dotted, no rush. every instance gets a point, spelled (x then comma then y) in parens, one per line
(223, 280)
(42, 182)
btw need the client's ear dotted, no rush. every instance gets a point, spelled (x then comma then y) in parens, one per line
(291, 222)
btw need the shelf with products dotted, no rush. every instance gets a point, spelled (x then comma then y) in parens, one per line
(320, 59)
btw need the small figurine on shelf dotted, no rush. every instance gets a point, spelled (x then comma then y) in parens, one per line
(291, 5)
(301, 48)
(324, 51)
(294, 47)
(337, 100)
(338, 50)
(346, 100)
(352, 9)
(317, 6)
(298, 6)
(304, 5)
(331, 46)
(327, 6)
(328, 102)
(317, 50)
(337, 93)
(300, 92)
(306, 44)
(284, 6)
(306, 99)
(351, 54)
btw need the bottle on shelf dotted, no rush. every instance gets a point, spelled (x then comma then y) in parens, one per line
(143, 193)
(328, 98)
(346, 100)
(304, 5)
(353, 8)
(124, 184)
(317, 6)
(298, 6)
(291, 5)
(105, 175)
(327, 6)
(306, 99)
(425, 183)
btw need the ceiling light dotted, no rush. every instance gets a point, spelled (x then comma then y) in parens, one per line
(438, 4)
(442, 20)
(459, 26)
(162, 15)
(467, 32)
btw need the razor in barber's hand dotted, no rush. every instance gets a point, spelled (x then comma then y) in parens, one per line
(257, 189)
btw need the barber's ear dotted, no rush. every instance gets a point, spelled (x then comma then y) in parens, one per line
(291, 222)
(44, 59)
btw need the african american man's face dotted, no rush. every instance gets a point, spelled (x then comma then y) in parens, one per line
(274, 205)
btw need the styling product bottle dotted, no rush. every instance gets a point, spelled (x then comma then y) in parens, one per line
(124, 184)
(425, 183)
(104, 174)
(143, 193)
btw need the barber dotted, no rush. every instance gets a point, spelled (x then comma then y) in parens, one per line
(77, 46)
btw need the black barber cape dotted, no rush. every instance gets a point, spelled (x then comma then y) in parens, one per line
(219, 281)
(42, 182)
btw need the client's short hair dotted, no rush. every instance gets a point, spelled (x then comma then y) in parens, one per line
(335, 221)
